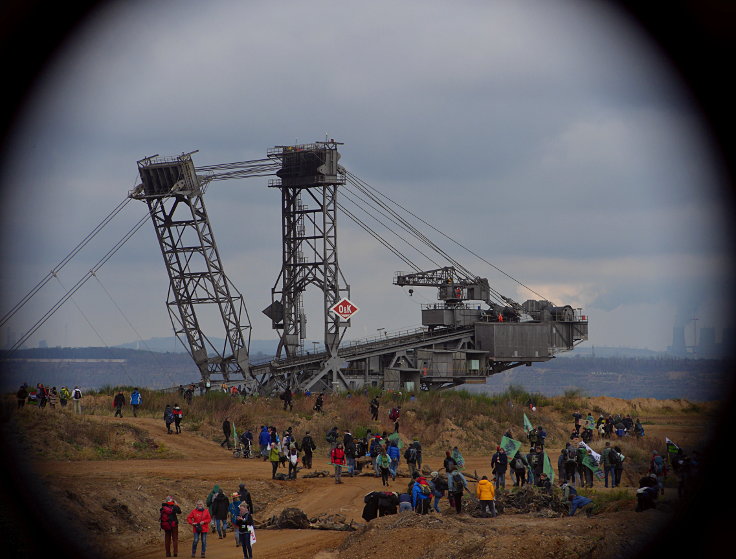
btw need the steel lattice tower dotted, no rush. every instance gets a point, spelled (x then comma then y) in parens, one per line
(309, 179)
(173, 192)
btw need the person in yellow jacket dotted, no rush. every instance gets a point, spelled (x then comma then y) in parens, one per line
(486, 495)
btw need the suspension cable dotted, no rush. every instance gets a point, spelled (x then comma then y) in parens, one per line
(77, 285)
(379, 193)
(64, 261)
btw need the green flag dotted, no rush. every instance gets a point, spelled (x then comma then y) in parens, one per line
(591, 464)
(527, 424)
(672, 449)
(235, 434)
(547, 468)
(395, 438)
(510, 445)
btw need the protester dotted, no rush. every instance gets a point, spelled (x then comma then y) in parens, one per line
(337, 458)
(287, 398)
(293, 457)
(439, 486)
(245, 497)
(77, 400)
(264, 438)
(394, 416)
(64, 396)
(274, 456)
(233, 510)
(646, 495)
(319, 402)
(658, 467)
(199, 519)
(308, 447)
(227, 431)
(168, 418)
(576, 501)
(405, 503)
(411, 455)
(499, 463)
(486, 495)
(21, 396)
(395, 455)
(220, 506)
(519, 466)
(374, 409)
(456, 456)
(544, 483)
(617, 456)
(135, 401)
(456, 484)
(420, 494)
(244, 522)
(384, 462)
(178, 414)
(170, 525)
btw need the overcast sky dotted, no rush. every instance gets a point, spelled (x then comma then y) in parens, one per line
(548, 137)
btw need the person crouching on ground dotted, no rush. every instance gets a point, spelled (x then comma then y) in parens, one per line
(199, 519)
(486, 494)
(244, 523)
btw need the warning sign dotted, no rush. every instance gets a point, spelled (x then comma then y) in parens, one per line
(344, 309)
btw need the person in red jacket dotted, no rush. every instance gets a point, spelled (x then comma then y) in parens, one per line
(337, 457)
(199, 519)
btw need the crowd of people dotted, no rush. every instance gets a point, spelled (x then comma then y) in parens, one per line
(578, 465)
(218, 514)
(42, 396)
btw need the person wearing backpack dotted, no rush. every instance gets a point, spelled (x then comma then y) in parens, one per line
(308, 447)
(456, 484)
(168, 418)
(170, 525)
(658, 467)
(383, 461)
(395, 454)
(199, 519)
(177, 414)
(519, 466)
(610, 459)
(535, 459)
(135, 401)
(394, 416)
(118, 402)
(619, 466)
(438, 486)
(233, 510)
(420, 494)
(410, 455)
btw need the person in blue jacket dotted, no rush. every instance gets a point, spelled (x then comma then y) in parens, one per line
(420, 500)
(576, 501)
(395, 455)
(263, 439)
(234, 509)
(135, 401)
